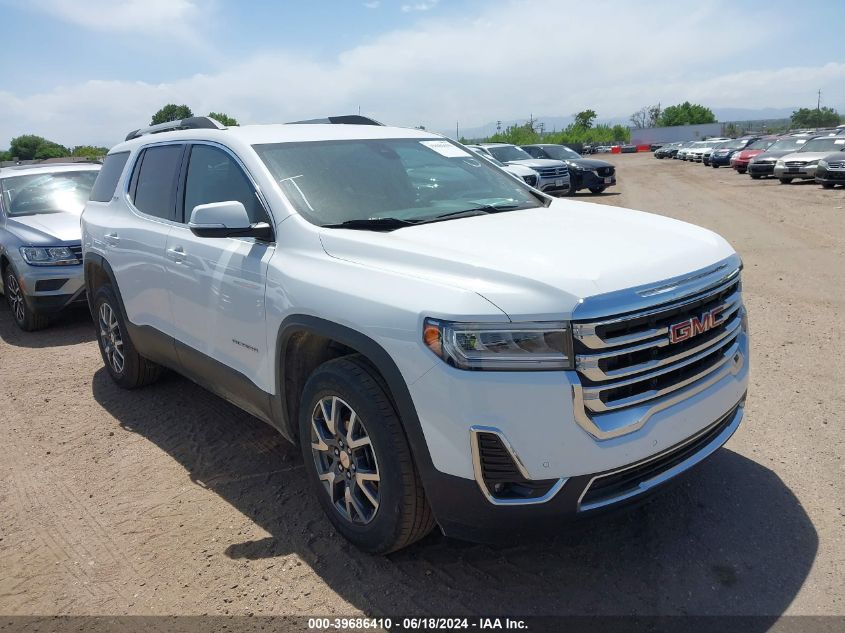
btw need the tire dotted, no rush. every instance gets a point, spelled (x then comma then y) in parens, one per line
(125, 365)
(755, 176)
(827, 185)
(714, 165)
(740, 171)
(597, 190)
(785, 181)
(24, 317)
(336, 390)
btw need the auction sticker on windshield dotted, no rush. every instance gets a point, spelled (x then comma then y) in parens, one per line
(445, 148)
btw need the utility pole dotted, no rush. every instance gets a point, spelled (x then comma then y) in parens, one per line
(819, 102)
(457, 131)
(498, 126)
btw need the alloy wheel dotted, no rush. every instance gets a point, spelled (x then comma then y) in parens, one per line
(13, 291)
(111, 338)
(345, 461)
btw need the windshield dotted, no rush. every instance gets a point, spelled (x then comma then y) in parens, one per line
(506, 153)
(332, 182)
(57, 192)
(735, 144)
(829, 144)
(787, 144)
(763, 143)
(559, 152)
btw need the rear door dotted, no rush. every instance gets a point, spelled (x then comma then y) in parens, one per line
(136, 249)
(216, 285)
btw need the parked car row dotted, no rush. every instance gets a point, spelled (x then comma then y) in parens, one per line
(560, 170)
(815, 155)
(398, 307)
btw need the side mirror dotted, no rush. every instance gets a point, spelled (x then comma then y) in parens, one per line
(226, 219)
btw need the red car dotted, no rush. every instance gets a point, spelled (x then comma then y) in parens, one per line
(739, 161)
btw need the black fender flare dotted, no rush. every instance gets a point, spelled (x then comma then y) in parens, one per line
(382, 361)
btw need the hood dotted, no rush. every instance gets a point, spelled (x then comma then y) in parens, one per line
(587, 163)
(45, 228)
(756, 153)
(806, 156)
(538, 263)
(520, 170)
(537, 163)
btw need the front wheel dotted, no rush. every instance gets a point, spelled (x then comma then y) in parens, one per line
(827, 185)
(785, 181)
(756, 176)
(358, 459)
(125, 365)
(25, 318)
(597, 190)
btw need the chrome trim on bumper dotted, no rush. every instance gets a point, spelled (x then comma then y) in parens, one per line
(692, 460)
(479, 477)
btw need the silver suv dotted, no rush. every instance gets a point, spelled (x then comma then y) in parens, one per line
(554, 174)
(40, 249)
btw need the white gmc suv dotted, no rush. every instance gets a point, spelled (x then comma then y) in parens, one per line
(447, 344)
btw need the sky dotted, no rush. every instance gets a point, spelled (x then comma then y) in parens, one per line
(89, 71)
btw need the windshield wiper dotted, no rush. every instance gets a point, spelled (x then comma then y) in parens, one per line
(482, 209)
(371, 224)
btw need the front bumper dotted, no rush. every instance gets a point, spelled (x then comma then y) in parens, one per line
(50, 289)
(721, 161)
(761, 169)
(592, 180)
(740, 165)
(463, 512)
(805, 172)
(555, 185)
(830, 176)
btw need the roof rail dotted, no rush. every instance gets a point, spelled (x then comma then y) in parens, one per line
(191, 123)
(344, 119)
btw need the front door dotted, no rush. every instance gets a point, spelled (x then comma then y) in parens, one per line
(216, 285)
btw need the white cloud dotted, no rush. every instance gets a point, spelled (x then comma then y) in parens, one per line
(474, 70)
(158, 18)
(372, 5)
(419, 6)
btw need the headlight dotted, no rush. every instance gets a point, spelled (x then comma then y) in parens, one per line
(53, 256)
(811, 163)
(822, 163)
(780, 163)
(534, 346)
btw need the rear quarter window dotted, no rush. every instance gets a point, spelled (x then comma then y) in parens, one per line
(106, 182)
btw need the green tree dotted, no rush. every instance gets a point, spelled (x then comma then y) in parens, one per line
(5, 155)
(815, 117)
(24, 147)
(585, 118)
(171, 112)
(524, 134)
(225, 119)
(89, 151)
(49, 149)
(686, 113)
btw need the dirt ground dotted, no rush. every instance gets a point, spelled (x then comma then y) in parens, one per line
(168, 500)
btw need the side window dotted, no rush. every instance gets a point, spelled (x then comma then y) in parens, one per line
(157, 174)
(214, 176)
(107, 179)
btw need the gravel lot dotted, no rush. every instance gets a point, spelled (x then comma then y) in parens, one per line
(170, 501)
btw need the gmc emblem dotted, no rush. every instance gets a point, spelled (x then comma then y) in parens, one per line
(693, 327)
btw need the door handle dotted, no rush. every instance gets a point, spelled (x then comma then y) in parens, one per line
(177, 254)
(111, 239)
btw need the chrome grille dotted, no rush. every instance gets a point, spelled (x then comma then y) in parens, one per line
(836, 165)
(630, 359)
(795, 163)
(553, 172)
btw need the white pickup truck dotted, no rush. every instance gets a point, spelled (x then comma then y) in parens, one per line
(448, 345)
